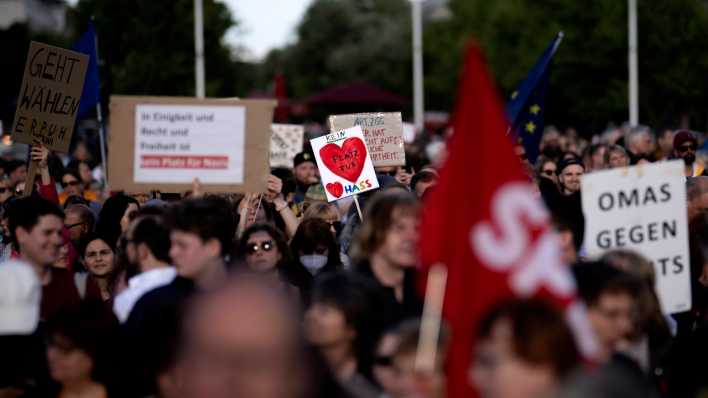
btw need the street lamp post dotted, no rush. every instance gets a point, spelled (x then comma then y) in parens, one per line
(416, 15)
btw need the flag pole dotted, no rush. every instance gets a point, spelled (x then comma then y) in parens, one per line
(417, 65)
(432, 318)
(99, 116)
(199, 47)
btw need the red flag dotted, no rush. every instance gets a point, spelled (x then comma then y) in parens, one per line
(484, 222)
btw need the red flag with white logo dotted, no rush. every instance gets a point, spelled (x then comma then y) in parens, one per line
(485, 223)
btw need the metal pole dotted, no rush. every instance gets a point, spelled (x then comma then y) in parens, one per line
(99, 116)
(199, 47)
(633, 73)
(417, 64)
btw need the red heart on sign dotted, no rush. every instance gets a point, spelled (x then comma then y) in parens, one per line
(335, 189)
(347, 161)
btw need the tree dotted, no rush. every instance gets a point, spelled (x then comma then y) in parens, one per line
(148, 47)
(589, 76)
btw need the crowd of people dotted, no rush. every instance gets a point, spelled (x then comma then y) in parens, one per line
(283, 294)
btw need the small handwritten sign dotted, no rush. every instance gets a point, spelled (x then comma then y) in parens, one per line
(383, 133)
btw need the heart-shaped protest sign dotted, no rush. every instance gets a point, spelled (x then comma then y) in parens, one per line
(336, 189)
(346, 161)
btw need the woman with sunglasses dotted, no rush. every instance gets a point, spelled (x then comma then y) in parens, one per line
(72, 185)
(330, 214)
(546, 167)
(263, 250)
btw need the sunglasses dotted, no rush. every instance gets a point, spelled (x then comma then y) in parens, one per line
(266, 246)
(73, 183)
(686, 148)
(549, 173)
(70, 226)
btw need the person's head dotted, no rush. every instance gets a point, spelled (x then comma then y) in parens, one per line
(201, 235)
(389, 230)
(148, 242)
(610, 296)
(114, 218)
(423, 180)
(84, 170)
(569, 224)
(314, 246)
(98, 256)
(71, 183)
(242, 340)
(67, 252)
(79, 221)
(523, 348)
(80, 343)
(665, 141)
(35, 226)
(697, 196)
(409, 382)
(343, 315)
(6, 189)
(649, 318)
(570, 172)
(597, 156)
(685, 146)
(305, 169)
(16, 170)
(383, 371)
(326, 212)
(640, 141)
(263, 248)
(546, 167)
(616, 156)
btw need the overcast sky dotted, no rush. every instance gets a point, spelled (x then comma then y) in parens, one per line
(265, 24)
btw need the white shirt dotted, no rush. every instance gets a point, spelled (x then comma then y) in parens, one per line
(138, 286)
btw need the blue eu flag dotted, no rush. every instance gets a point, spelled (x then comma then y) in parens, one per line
(90, 96)
(526, 107)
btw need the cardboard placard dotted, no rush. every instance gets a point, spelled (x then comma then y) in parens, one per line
(344, 163)
(643, 208)
(285, 142)
(383, 132)
(49, 96)
(163, 143)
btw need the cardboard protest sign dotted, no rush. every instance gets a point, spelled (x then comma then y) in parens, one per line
(163, 143)
(344, 163)
(49, 96)
(643, 208)
(383, 132)
(285, 142)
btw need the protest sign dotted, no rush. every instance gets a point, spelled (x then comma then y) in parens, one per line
(49, 96)
(285, 142)
(163, 143)
(408, 133)
(643, 208)
(344, 163)
(383, 133)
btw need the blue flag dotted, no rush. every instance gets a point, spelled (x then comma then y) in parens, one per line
(527, 105)
(91, 94)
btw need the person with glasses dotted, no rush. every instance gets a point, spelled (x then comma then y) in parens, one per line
(546, 168)
(685, 146)
(73, 186)
(263, 250)
(79, 221)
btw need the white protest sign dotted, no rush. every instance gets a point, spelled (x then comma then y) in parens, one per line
(344, 163)
(408, 133)
(383, 132)
(285, 142)
(643, 208)
(207, 141)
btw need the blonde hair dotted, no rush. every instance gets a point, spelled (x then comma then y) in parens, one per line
(322, 210)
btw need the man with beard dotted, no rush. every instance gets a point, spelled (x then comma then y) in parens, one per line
(685, 145)
(306, 174)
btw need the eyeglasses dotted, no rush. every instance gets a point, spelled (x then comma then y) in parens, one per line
(549, 172)
(266, 246)
(72, 183)
(70, 226)
(686, 148)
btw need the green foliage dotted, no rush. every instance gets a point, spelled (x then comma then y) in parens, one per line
(589, 77)
(148, 47)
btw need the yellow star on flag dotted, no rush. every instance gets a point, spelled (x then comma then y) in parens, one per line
(535, 109)
(514, 94)
(530, 127)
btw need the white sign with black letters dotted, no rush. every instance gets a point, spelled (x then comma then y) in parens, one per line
(643, 208)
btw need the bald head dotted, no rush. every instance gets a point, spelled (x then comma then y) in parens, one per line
(242, 340)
